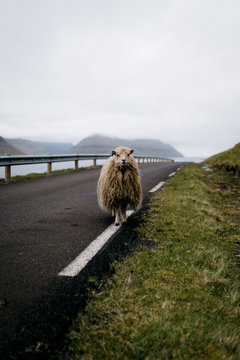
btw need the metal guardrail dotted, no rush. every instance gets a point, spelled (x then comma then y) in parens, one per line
(10, 160)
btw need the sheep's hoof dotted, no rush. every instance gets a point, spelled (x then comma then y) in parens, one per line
(117, 224)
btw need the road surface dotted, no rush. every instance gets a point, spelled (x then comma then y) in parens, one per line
(45, 224)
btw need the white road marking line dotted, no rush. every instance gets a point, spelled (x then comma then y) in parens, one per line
(173, 173)
(158, 186)
(84, 257)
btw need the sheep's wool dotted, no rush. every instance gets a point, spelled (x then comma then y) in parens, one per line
(119, 185)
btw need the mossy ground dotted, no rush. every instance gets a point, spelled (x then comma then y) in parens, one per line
(179, 299)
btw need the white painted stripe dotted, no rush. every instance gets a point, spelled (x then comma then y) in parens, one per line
(170, 175)
(158, 186)
(82, 259)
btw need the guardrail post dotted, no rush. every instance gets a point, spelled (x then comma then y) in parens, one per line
(49, 168)
(49, 159)
(7, 172)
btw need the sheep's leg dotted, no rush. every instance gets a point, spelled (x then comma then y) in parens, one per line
(123, 211)
(117, 217)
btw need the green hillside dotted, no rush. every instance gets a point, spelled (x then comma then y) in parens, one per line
(228, 160)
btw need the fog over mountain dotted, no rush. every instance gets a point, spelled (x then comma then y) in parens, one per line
(105, 144)
(39, 147)
(97, 144)
(7, 148)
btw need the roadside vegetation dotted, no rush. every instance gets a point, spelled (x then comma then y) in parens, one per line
(179, 298)
(228, 160)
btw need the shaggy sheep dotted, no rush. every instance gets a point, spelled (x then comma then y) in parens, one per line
(119, 184)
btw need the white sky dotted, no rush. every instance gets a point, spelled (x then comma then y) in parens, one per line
(129, 68)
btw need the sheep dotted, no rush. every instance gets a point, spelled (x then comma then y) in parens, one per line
(119, 184)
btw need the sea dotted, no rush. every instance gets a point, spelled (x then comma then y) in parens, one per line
(41, 168)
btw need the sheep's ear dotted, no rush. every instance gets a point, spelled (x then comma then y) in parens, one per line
(132, 151)
(113, 152)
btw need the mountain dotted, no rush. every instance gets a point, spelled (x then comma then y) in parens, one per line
(38, 147)
(54, 148)
(27, 147)
(100, 144)
(7, 148)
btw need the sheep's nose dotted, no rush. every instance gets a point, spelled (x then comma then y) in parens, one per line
(123, 161)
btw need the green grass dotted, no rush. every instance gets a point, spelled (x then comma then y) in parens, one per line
(228, 159)
(179, 299)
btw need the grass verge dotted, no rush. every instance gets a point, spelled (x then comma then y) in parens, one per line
(228, 160)
(179, 299)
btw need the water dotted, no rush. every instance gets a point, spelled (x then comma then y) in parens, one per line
(195, 159)
(41, 168)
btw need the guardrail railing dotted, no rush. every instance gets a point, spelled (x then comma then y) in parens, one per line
(10, 160)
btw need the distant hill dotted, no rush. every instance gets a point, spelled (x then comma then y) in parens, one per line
(7, 148)
(97, 144)
(54, 148)
(38, 147)
(27, 147)
(100, 144)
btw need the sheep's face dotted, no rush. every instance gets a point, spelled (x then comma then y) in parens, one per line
(122, 155)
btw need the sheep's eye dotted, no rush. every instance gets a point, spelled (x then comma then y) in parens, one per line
(118, 155)
(128, 154)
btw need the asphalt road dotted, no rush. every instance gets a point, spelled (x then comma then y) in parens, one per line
(46, 223)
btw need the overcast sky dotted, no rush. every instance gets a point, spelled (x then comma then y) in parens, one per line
(164, 69)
